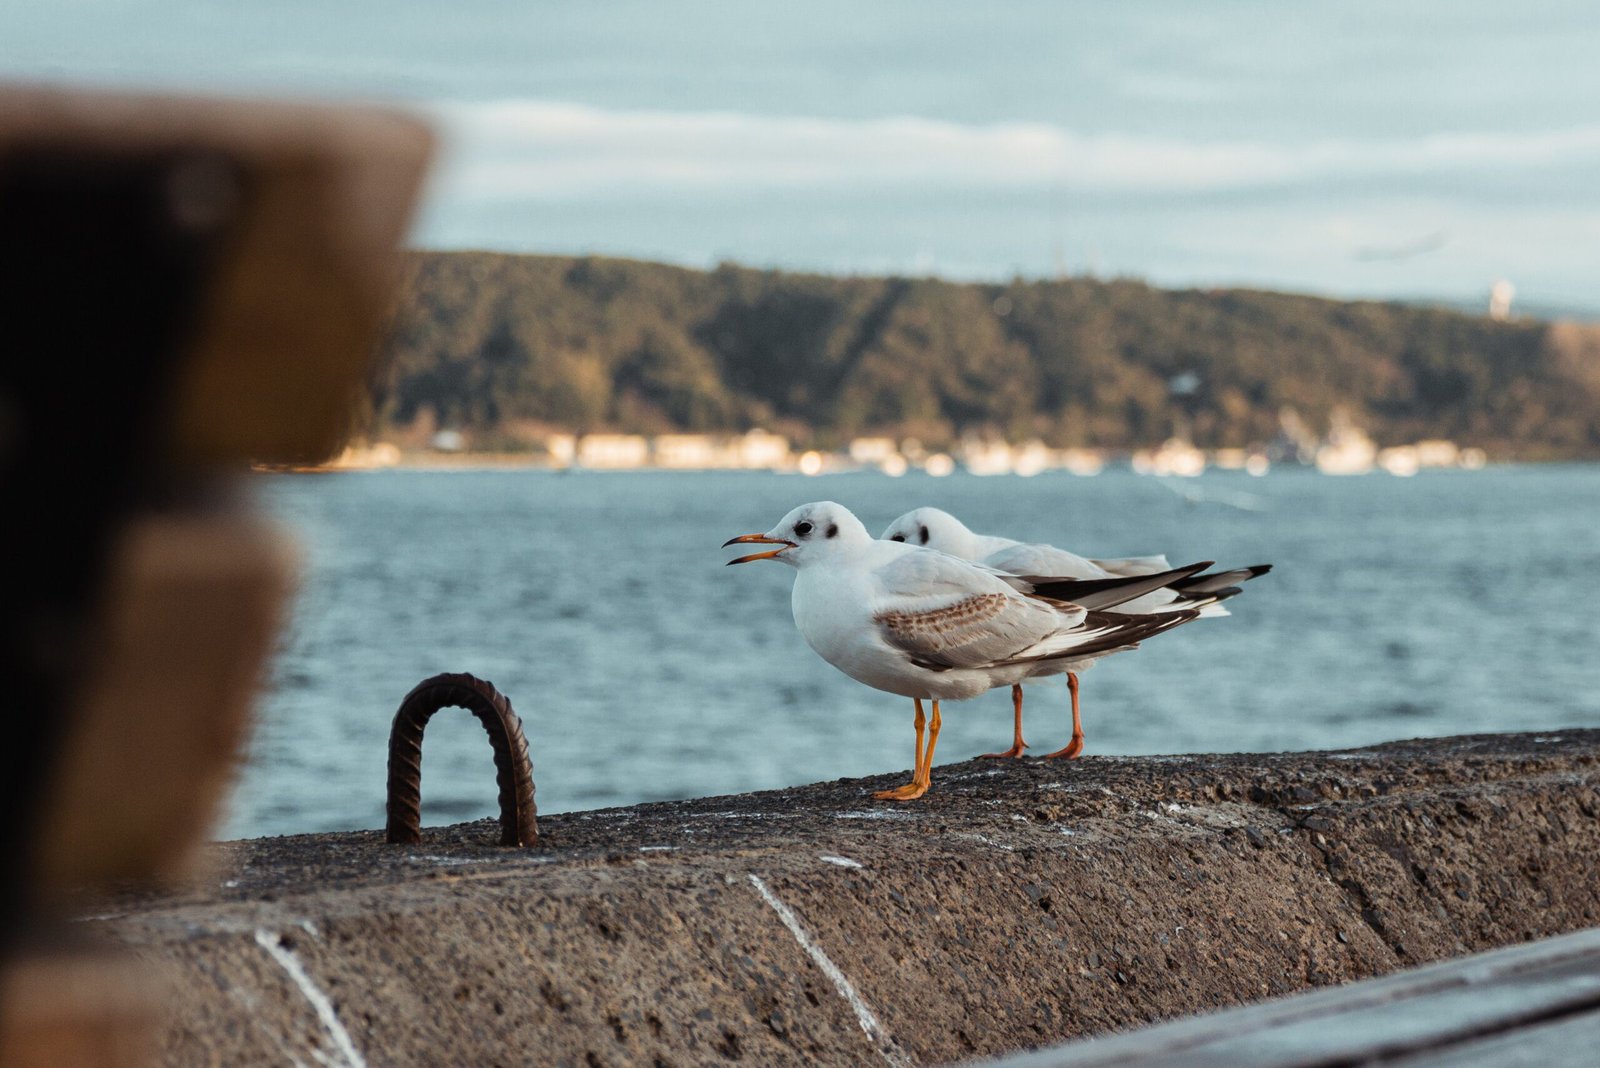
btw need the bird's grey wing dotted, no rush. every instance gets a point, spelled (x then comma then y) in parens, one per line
(1022, 559)
(1135, 565)
(944, 613)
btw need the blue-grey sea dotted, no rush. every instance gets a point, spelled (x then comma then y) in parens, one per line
(644, 669)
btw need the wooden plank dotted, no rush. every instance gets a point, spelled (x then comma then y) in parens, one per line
(1454, 1002)
(1573, 1040)
(1436, 1020)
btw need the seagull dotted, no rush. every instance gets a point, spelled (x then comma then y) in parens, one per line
(1041, 564)
(933, 627)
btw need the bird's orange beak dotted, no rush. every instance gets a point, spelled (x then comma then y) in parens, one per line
(760, 538)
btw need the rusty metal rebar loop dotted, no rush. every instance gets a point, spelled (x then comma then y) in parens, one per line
(513, 771)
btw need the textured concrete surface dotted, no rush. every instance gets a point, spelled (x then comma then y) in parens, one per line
(1018, 904)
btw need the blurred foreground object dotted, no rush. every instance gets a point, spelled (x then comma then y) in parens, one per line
(186, 286)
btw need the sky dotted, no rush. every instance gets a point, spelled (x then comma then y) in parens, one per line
(1391, 149)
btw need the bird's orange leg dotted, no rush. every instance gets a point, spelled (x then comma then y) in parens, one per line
(927, 757)
(911, 789)
(922, 778)
(1017, 744)
(1075, 746)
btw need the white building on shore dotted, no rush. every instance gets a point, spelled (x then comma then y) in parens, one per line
(613, 451)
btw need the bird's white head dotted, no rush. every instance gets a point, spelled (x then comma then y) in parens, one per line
(810, 533)
(937, 529)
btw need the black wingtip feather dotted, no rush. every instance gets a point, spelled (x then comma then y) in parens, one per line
(1211, 584)
(1095, 594)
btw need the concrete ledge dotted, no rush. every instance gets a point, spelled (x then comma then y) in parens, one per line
(1019, 904)
(1535, 1005)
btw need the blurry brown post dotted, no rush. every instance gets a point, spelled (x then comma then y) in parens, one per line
(187, 287)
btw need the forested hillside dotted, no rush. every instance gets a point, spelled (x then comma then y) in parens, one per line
(502, 346)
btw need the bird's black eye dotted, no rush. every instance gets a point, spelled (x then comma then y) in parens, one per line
(833, 530)
(898, 537)
(923, 534)
(802, 528)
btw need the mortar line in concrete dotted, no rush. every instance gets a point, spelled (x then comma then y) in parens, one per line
(892, 1053)
(290, 963)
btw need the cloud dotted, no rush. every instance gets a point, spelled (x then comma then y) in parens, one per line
(553, 151)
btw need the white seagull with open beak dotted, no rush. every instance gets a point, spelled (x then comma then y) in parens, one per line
(1043, 564)
(929, 626)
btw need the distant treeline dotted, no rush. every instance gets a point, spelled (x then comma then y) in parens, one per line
(503, 346)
